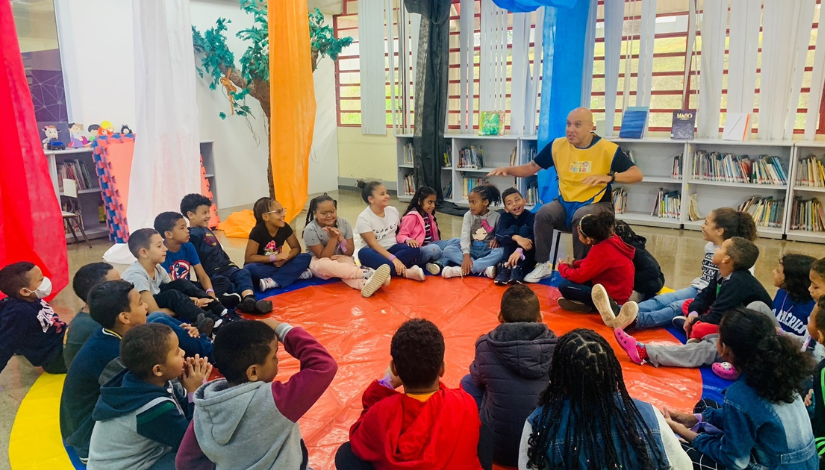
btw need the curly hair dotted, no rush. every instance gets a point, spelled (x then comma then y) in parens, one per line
(191, 202)
(586, 384)
(797, 268)
(166, 221)
(597, 226)
(417, 350)
(488, 193)
(743, 252)
(773, 365)
(819, 320)
(734, 223)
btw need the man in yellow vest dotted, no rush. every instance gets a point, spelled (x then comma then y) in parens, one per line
(587, 166)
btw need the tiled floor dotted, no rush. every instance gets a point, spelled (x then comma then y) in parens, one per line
(678, 252)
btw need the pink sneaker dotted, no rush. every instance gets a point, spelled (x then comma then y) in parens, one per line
(725, 370)
(628, 343)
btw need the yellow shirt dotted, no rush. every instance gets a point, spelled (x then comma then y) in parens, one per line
(574, 164)
(422, 397)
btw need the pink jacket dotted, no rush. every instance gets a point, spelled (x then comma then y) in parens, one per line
(412, 226)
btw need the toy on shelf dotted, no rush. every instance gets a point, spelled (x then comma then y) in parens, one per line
(106, 128)
(126, 130)
(78, 136)
(94, 131)
(51, 142)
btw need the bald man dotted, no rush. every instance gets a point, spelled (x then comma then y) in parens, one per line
(587, 166)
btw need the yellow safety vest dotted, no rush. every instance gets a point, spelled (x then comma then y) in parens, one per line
(573, 165)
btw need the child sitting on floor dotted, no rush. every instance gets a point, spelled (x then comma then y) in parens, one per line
(478, 252)
(511, 368)
(816, 328)
(419, 229)
(152, 282)
(719, 225)
(793, 303)
(377, 225)
(83, 325)
(141, 416)
(427, 426)
(270, 264)
(247, 419)
(587, 419)
(28, 324)
(609, 263)
(648, 279)
(182, 259)
(514, 234)
(330, 241)
(763, 422)
(215, 261)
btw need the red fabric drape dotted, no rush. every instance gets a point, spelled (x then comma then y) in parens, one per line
(31, 226)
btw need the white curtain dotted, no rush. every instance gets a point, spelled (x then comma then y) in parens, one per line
(466, 73)
(493, 64)
(613, 23)
(521, 72)
(745, 19)
(589, 51)
(714, 24)
(373, 78)
(645, 77)
(817, 82)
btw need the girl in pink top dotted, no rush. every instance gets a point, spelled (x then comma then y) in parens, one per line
(420, 229)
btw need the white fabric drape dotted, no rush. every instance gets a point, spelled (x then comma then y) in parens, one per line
(534, 83)
(713, 27)
(166, 164)
(804, 21)
(613, 24)
(521, 72)
(690, 53)
(466, 72)
(589, 51)
(745, 19)
(645, 73)
(493, 64)
(373, 79)
(393, 60)
(817, 83)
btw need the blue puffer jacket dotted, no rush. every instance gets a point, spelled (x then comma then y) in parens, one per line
(511, 367)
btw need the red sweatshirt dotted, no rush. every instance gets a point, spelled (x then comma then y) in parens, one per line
(399, 432)
(609, 263)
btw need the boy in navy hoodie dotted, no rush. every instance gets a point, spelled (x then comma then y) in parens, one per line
(511, 368)
(141, 415)
(28, 324)
(514, 233)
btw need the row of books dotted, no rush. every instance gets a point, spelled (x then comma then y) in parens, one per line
(409, 185)
(730, 168)
(676, 172)
(514, 157)
(471, 157)
(766, 211)
(811, 172)
(76, 170)
(807, 214)
(448, 157)
(408, 154)
(619, 200)
(693, 208)
(470, 183)
(668, 205)
(409, 160)
(532, 193)
(448, 190)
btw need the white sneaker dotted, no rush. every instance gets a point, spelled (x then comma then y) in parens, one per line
(433, 269)
(267, 283)
(306, 275)
(375, 281)
(451, 271)
(490, 272)
(542, 271)
(415, 273)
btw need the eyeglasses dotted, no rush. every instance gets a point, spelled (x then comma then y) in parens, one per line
(277, 212)
(326, 214)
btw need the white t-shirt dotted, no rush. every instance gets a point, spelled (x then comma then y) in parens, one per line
(384, 228)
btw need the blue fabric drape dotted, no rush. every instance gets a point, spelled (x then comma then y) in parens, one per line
(525, 6)
(561, 79)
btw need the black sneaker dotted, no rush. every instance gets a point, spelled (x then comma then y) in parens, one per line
(503, 276)
(574, 306)
(216, 308)
(516, 276)
(205, 325)
(263, 307)
(679, 322)
(248, 304)
(230, 301)
(231, 316)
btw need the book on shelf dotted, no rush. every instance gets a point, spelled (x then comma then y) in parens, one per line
(78, 171)
(766, 211)
(408, 154)
(619, 200)
(811, 172)
(634, 122)
(693, 208)
(448, 159)
(471, 157)
(532, 196)
(470, 183)
(676, 172)
(514, 157)
(668, 205)
(807, 215)
(684, 121)
(731, 168)
(492, 123)
(409, 185)
(447, 191)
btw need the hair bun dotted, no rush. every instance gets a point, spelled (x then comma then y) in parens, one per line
(360, 184)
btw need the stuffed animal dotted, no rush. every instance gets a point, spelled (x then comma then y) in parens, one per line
(125, 130)
(51, 142)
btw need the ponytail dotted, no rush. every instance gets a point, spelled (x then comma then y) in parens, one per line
(313, 207)
(735, 223)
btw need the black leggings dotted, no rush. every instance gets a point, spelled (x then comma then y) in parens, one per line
(700, 460)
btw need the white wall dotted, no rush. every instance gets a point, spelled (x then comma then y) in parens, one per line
(323, 160)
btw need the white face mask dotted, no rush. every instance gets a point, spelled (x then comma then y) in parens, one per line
(44, 290)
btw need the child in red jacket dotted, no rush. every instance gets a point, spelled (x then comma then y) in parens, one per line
(427, 427)
(609, 263)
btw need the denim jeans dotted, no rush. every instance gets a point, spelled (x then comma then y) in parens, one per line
(288, 273)
(483, 256)
(191, 346)
(433, 251)
(408, 256)
(578, 292)
(662, 309)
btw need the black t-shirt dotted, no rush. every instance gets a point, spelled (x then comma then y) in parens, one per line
(210, 251)
(621, 162)
(267, 244)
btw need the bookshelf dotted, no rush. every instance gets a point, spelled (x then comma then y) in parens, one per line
(65, 164)
(806, 189)
(495, 152)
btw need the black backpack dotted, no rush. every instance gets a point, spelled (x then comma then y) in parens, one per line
(649, 278)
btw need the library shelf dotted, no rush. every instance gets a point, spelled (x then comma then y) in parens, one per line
(778, 187)
(809, 189)
(660, 180)
(641, 218)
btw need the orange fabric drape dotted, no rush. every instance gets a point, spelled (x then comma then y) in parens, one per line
(292, 95)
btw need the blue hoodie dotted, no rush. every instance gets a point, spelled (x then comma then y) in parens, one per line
(137, 423)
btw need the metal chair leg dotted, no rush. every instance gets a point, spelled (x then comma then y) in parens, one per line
(555, 253)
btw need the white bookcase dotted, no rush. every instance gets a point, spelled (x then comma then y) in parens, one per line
(89, 200)
(803, 150)
(496, 153)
